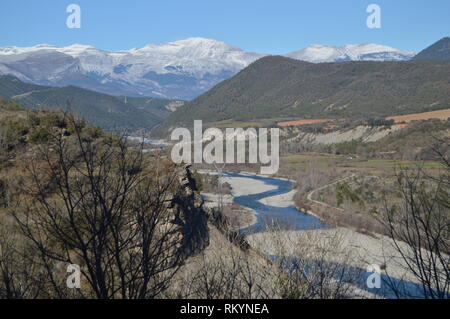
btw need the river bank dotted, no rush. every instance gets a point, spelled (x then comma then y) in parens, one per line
(272, 201)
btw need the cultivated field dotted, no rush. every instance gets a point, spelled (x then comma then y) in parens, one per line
(441, 114)
(342, 163)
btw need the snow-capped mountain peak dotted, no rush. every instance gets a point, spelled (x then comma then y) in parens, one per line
(197, 47)
(180, 69)
(352, 52)
(74, 49)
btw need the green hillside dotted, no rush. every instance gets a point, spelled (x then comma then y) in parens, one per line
(279, 87)
(155, 106)
(106, 111)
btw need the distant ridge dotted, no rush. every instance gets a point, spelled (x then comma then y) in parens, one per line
(109, 112)
(352, 52)
(277, 87)
(439, 51)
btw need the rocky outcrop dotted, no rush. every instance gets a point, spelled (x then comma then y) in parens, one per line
(174, 105)
(193, 218)
(187, 207)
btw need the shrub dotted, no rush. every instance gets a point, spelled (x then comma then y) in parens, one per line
(33, 119)
(198, 181)
(54, 120)
(12, 133)
(350, 147)
(77, 125)
(39, 135)
(17, 128)
(9, 105)
(380, 122)
(93, 132)
(3, 200)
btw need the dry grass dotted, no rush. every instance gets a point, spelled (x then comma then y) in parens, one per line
(238, 216)
(223, 270)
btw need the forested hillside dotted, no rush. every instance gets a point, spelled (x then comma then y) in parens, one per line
(278, 87)
(106, 111)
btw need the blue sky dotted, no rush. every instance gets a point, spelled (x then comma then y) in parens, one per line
(267, 26)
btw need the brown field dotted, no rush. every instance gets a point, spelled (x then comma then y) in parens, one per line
(400, 125)
(304, 122)
(441, 114)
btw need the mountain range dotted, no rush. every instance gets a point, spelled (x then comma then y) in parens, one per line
(182, 69)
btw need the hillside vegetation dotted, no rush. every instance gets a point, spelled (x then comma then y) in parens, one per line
(73, 194)
(278, 87)
(106, 111)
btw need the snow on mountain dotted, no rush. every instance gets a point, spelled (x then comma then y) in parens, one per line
(353, 52)
(194, 55)
(181, 70)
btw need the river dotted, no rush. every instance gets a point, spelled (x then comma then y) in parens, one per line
(267, 216)
(295, 220)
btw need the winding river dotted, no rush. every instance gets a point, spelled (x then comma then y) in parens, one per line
(293, 219)
(267, 216)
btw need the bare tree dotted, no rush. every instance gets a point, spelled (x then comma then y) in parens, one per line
(98, 204)
(420, 227)
(21, 276)
(225, 271)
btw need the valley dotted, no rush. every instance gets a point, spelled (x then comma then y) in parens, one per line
(280, 221)
(359, 142)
